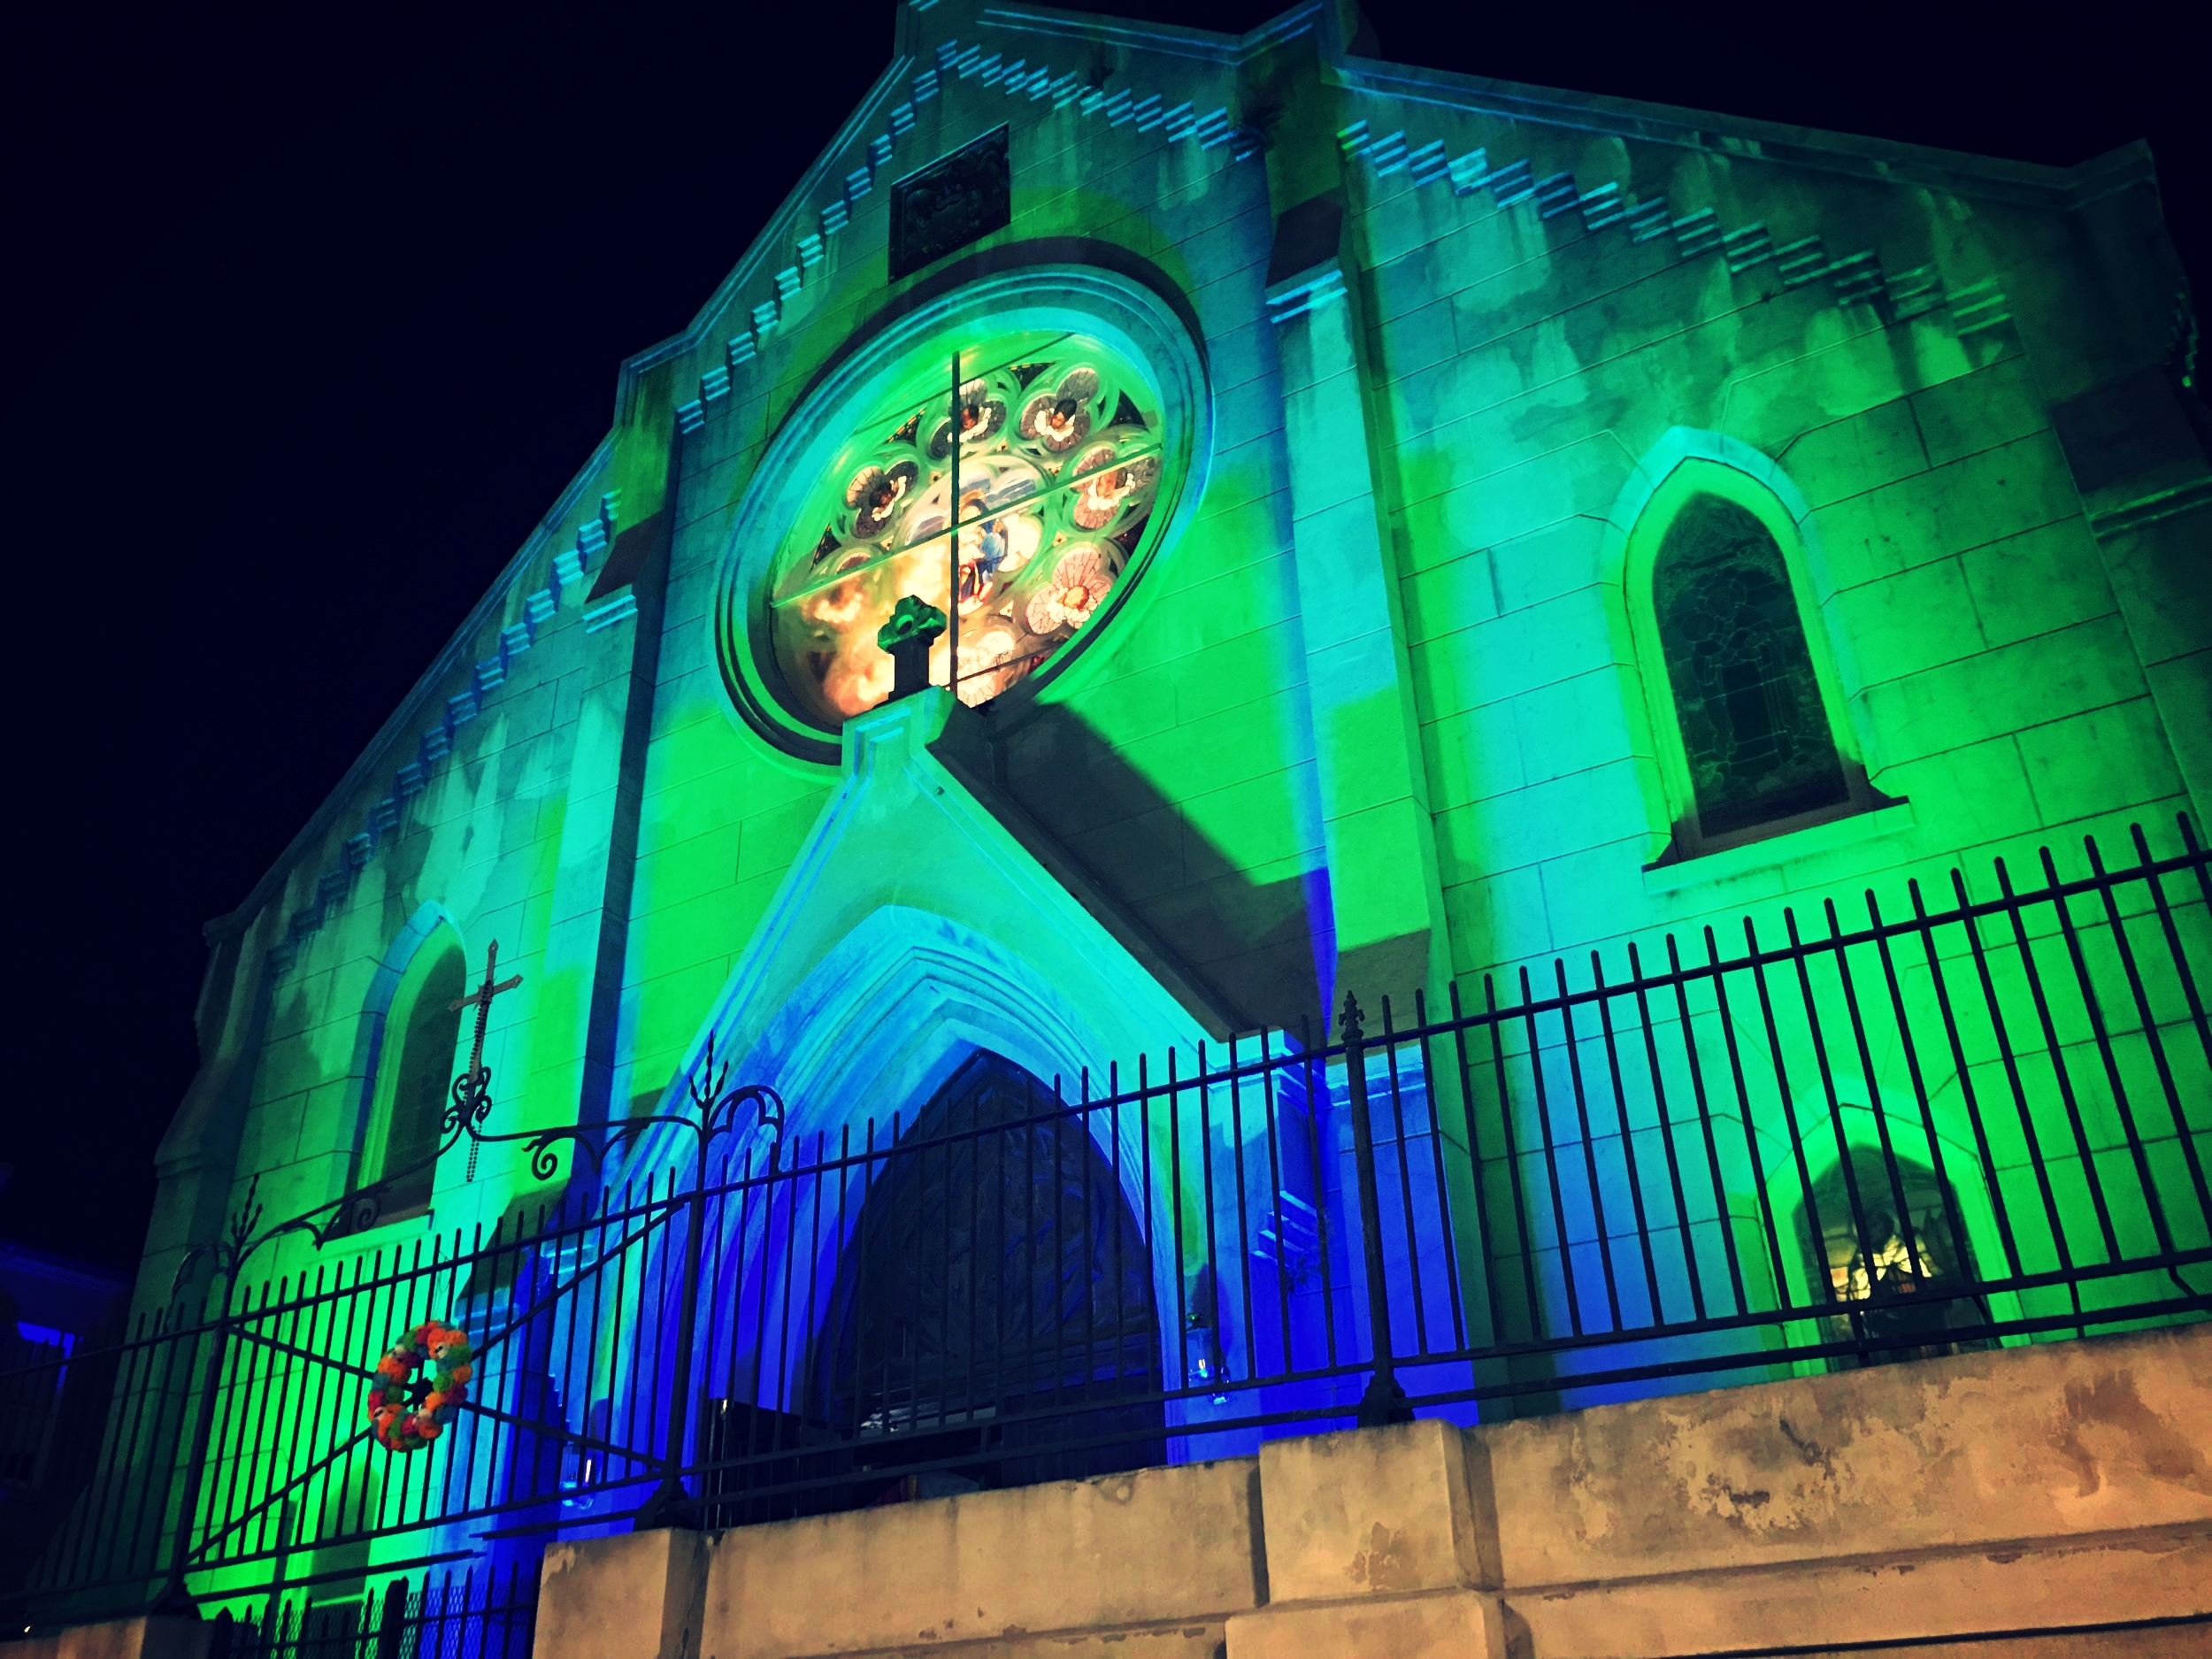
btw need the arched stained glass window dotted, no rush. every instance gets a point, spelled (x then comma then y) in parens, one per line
(1058, 462)
(1755, 731)
(1886, 1244)
(415, 1073)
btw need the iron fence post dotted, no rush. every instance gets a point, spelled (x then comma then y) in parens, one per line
(671, 1504)
(175, 1600)
(1385, 1402)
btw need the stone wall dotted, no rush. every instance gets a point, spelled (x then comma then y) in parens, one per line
(2051, 1500)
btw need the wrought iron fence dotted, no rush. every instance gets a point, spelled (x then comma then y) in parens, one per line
(1964, 1122)
(471, 1615)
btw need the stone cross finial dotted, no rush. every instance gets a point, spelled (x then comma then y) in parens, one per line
(913, 628)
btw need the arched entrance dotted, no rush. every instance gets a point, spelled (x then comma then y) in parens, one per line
(994, 1319)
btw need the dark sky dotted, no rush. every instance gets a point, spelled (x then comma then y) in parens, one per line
(312, 309)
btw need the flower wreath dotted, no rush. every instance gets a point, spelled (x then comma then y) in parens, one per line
(407, 1411)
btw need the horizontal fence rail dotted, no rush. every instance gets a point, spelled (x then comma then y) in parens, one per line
(1952, 1123)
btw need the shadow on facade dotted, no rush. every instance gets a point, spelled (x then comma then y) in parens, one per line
(1258, 947)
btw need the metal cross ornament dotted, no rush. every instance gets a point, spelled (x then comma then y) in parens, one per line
(471, 1090)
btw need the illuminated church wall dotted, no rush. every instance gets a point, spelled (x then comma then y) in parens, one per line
(1379, 696)
(1988, 674)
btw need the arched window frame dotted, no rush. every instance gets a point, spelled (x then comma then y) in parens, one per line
(1814, 1154)
(387, 1013)
(1689, 476)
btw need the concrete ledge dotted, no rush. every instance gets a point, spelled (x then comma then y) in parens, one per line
(1431, 1624)
(143, 1638)
(2030, 1502)
(1162, 1547)
(637, 1595)
(2170, 1641)
(1201, 1640)
(1372, 1512)
(2060, 1440)
(1875, 1599)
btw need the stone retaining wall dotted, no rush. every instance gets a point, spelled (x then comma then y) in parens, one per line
(2053, 1501)
(2049, 1502)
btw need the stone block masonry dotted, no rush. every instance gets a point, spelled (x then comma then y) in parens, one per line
(2052, 1501)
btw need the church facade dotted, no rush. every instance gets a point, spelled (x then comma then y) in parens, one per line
(1374, 531)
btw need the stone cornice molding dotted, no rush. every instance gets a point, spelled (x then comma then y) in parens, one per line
(1879, 160)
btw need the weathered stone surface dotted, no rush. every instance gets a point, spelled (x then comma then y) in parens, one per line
(1374, 1512)
(636, 1595)
(1432, 1624)
(1159, 1547)
(2162, 1574)
(2053, 1488)
(2045, 1442)
(143, 1638)
(2161, 1641)
(1184, 1639)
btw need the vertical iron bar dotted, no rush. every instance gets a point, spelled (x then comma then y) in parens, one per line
(2059, 1242)
(1721, 1217)
(2173, 937)
(975, 1243)
(1589, 1144)
(1964, 1072)
(1054, 1275)
(1244, 1225)
(1524, 1237)
(952, 586)
(1383, 1401)
(1405, 1184)
(2113, 1079)
(1654, 1304)
(671, 1504)
(813, 1262)
(1799, 958)
(2015, 908)
(1898, 1011)
(1436, 1160)
(1121, 1265)
(1666, 1132)
(2197, 861)
(1772, 1028)
(863, 1225)
(1551, 1160)
(1743, 1106)
(1077, 1122)
(1460, 1022)
(1175, 1213)
(1271, 1104)
(1206, 1192)
(1321, 1161)
(2156, 1043)
(1874, 1096)
(173, 1597)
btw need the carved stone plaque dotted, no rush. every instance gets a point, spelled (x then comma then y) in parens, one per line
(955, 200)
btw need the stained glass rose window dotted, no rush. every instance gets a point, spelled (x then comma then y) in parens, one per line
(1056, 446)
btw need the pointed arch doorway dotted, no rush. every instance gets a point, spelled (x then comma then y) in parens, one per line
(994, 1319)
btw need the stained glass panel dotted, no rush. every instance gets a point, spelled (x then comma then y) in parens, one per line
(1058, 463)
(1753, 731)
(1886, 1264)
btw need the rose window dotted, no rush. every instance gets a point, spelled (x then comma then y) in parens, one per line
(1057, 458)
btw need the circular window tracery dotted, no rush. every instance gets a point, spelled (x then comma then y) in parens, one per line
(1059, 463)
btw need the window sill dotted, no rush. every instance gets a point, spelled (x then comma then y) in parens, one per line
(409, 1222)
(1780, 850)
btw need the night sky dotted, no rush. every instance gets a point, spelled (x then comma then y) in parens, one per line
(313, 310)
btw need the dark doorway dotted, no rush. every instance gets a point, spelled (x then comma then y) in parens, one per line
(994, 1320)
